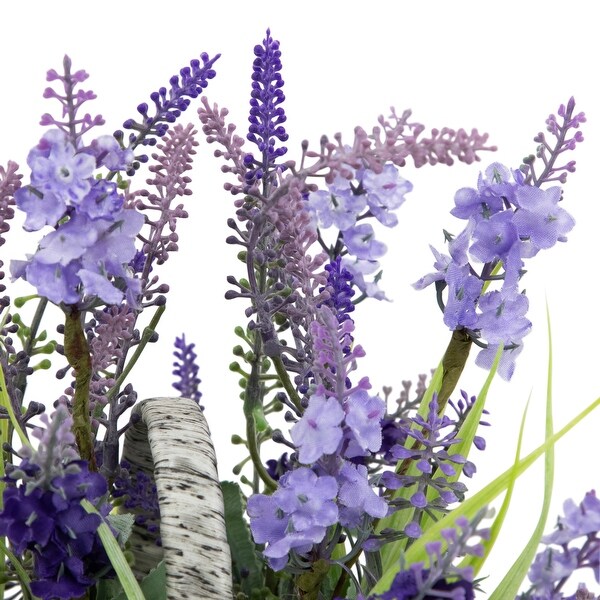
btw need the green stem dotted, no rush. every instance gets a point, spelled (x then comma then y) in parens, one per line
(77, 352)
(252, 397)
(284, 377)
(28, 347)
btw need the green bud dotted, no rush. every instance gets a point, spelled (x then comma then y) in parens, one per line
(238, 350)
(43, 365)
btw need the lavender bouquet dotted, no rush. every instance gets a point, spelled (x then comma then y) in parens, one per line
(344, 492)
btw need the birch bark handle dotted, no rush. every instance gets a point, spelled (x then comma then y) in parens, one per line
(171, 443)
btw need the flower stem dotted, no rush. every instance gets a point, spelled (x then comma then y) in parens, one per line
(453, 363)
(77, 352)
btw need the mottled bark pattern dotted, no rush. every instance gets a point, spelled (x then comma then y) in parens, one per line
(172, 442)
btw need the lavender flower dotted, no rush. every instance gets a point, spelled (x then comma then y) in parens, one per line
(186, 370)
(549, 154)
(88, 252)
(42, 513)
(508, 220)
(169, 104)
(339, 287)
(295, 517)
(574, 545)
(136, 491)
(442, 579)
(319, 431)
(432, 459)
(74, 127)
(266, 114)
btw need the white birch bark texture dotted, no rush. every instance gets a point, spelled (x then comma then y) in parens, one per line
(171, 443)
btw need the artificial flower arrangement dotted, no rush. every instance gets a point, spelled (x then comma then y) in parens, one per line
(368, 497)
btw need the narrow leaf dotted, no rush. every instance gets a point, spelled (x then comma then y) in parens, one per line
(130, 585)
(243, 551)
(509, 586)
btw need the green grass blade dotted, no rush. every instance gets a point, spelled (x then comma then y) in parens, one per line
(130, 585)
(512, 581)
(477, 562)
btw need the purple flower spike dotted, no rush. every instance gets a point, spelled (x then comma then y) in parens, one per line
(266, 114)
(169, 104)
(186, 370)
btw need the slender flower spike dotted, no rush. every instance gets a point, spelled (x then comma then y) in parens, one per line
(186, 370)
(170, 103)
(266, 113)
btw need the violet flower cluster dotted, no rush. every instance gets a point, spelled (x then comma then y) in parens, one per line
(42, 513)
(573, 546)
(87, 253)
(510, 219)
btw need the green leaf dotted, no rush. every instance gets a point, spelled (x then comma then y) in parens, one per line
(123, 524)
(243, 550)
(512, 581)
(153, 586)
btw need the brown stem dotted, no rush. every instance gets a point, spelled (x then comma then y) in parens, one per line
(453, 363)
(77, 352)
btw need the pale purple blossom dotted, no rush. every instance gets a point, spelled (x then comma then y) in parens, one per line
(357, 497)
(540, 220)
(363, 418)
(361, 243)
(319, 430)
(340, 211)
(295, 516)
(385, 192)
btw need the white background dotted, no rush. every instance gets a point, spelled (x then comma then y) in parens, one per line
(499, 66)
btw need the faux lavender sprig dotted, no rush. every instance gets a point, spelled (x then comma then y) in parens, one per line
(441, 578)
(573, 546)
(169, 103)
(170, 184)
(549, 154)
(266, 114)
(43, 515)
(186, 370)
(429, 447)
(509, 219)
(73, 125)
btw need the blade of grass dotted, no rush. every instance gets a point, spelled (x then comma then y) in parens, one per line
(512, 581)
(130, 585)
(477, 562)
